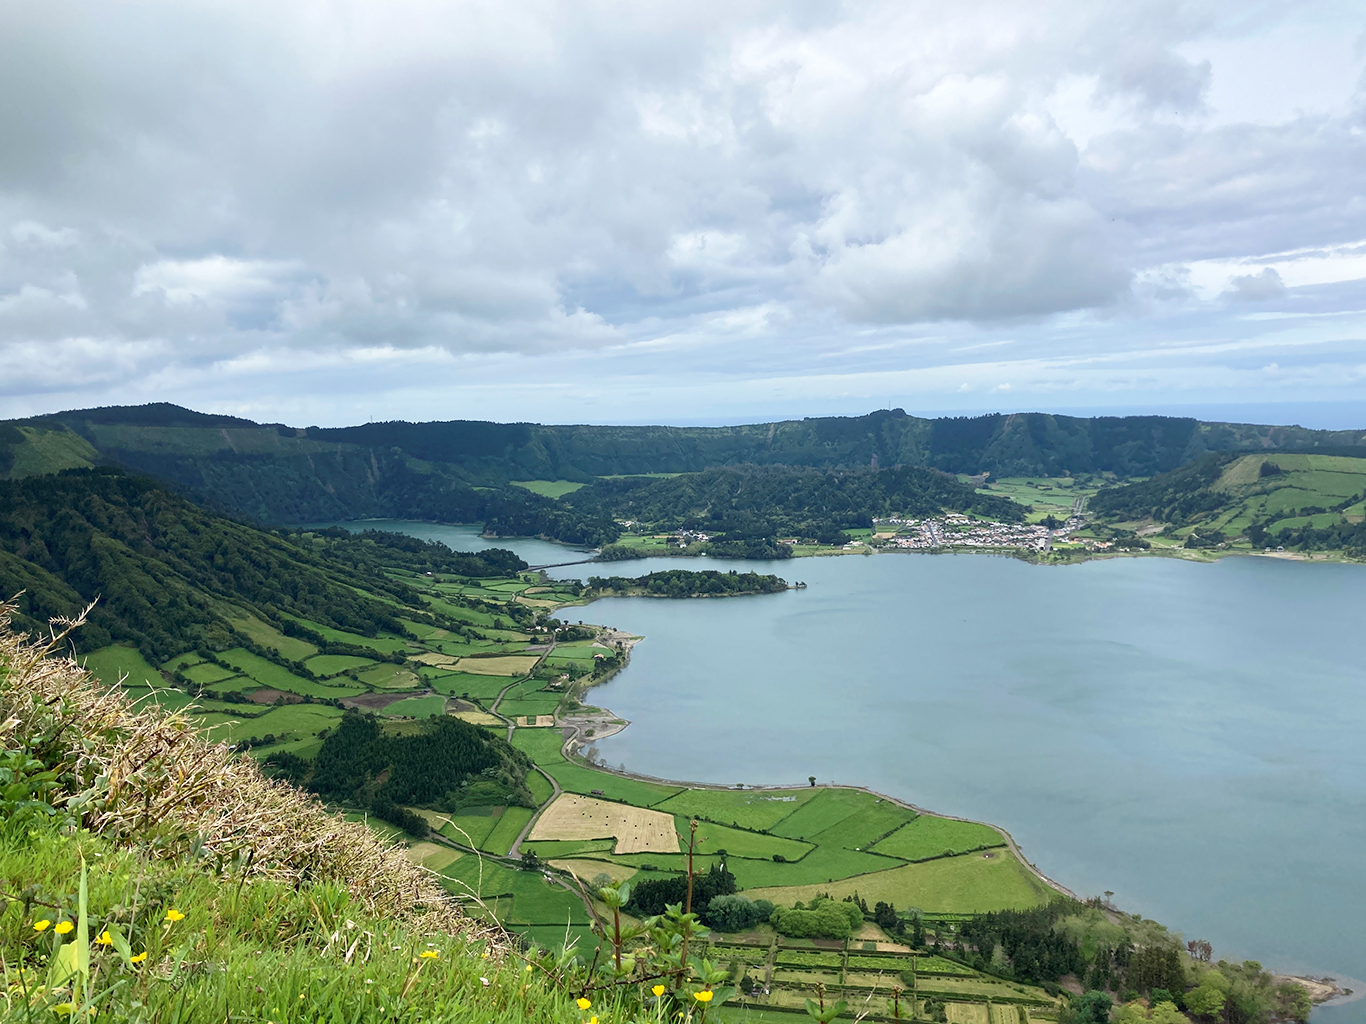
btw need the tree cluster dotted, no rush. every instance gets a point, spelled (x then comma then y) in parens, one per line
(685, 583)
(448, 765)
(652, 897)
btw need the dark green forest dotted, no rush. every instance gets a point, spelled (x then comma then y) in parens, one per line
(458, 471)
(744, 503)
(1176, 497)
(683, 583)
(447, 765)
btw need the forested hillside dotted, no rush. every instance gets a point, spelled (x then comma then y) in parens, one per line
(1298, 501)
(745, 503)
(287, 474)
(748, 484)
(172, 576)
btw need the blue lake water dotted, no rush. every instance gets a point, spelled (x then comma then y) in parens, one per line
(1189, 736)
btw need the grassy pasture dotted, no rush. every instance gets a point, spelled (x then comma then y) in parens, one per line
(416, 707)
(518, 897)
(821, 865)
(535, 705)
(383, 644)
(335, 664)
(509, 827)
(930, 836)
(747, 808)
(171, 700)
(865, 826)
(569, 848)
(541, 745)
(511, 665)
(470, 828)
(182, 662)
(267, 635)
(109, 664)
(548, 488)
(739, 843)
(584, 780)
(541, 790)
(206, 673)
(967, 1013)
(432, 856)
(824, 811)
(267, 673)
(295, 721)
(590, 869)
(970, 883)
(389, 677)
(457, 684)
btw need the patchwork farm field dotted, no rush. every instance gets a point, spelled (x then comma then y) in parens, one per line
(469, 641)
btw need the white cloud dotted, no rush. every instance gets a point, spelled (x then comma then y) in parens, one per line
(551, 193)
(212, 279)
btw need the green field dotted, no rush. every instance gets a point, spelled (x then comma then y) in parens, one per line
(267, 673)
(383, 644)
(824, 811)
(460, 684)
(470, 827)
(416, 707)
(966, 884)
(746, 808)
(517, 897)
(548, 488)
(540, 788)
(823, 864)
(334, 664)
(300, 722)
(509, 826)
(577, 779)
(712, 838)
(206, 673)
(929, 836)
(871, 820)
(110, 664)
(268, 636)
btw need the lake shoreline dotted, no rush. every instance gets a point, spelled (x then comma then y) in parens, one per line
(1324, 990)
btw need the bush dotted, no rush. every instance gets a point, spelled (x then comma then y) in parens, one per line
(825, 918)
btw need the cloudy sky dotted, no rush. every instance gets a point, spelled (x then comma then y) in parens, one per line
(688, 212)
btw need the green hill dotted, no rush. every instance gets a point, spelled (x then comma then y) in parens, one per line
(173, 577)
(458, 471)
(1300, 501)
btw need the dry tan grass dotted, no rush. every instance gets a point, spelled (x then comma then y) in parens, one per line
(435, 660)
(587, 869)
(136, 773)
(636, 829)
(507, 665)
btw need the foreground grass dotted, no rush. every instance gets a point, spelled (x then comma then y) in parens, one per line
(248, 949)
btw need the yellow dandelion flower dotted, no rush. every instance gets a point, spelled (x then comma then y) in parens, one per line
(174, 915)
(64, 928)
(528, 968)
(104, 940)
(42, 926)
(584, 1003)
(658, 990)
(429, 954)
(139, 958)
(704, 996)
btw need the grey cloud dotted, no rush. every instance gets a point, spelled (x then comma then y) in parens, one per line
(1256, 287)
(187, 185)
